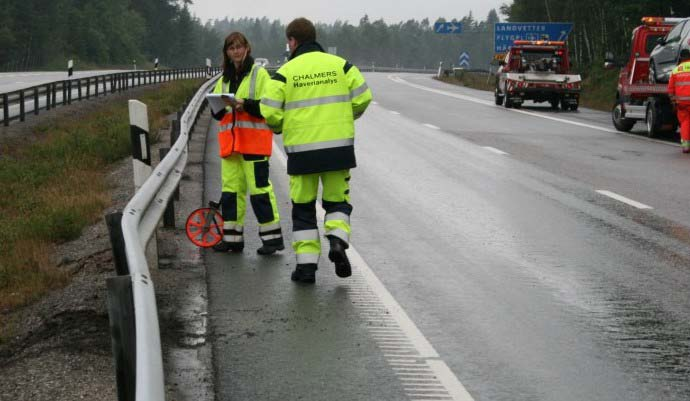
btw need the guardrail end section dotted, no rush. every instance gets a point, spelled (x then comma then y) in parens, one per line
(123, 335)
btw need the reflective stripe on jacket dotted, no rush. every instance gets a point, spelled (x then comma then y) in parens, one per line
(313, 99)
(679, 84)
(241, 132)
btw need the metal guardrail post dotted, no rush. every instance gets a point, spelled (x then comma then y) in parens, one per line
(36, 100)
(64, 93)
(174, 134)
(54, 94)
(123, 335)
(169, 213)
(5, 110)
(79, 89)
(69, 92)
(21, 105)
(117, 243)
(88, 87)
(48, 96)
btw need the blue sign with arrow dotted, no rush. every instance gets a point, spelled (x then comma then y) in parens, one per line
(507, 32)
(448, 27)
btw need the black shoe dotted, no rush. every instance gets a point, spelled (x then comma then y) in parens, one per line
(338, 256)
(228, 247)
(267, 249)
(304, 273)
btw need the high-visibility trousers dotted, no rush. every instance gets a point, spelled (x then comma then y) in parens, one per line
(683, 113)
(242, 173)
(336, 202)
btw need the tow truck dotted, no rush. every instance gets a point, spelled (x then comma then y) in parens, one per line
(637, 98)
(537, 70)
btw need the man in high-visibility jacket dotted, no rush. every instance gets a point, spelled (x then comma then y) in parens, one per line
(679, 91)
(313, 100)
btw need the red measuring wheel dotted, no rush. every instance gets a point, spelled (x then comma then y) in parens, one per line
(204, 227)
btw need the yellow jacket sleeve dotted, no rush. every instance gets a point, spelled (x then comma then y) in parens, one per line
(359, 91)
(273, 102)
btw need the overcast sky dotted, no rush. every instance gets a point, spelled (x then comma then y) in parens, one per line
(345, 10)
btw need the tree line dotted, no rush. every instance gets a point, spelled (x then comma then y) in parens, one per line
(599, 26)
(37, 34)
(40, 34)
(410, 44)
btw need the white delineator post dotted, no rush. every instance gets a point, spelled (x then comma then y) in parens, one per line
(155, 64)
(141, 150)
(141, 162)
(208, 67)
(70, 67)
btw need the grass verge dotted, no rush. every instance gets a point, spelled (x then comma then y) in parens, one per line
(55, 185)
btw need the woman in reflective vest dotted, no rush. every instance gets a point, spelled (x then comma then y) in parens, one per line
(245, 146)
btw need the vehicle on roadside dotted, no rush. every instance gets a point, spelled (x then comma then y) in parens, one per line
(664, 56)
(538, 71)
(640, 97)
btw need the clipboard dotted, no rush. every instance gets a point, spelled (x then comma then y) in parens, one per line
(217, 101)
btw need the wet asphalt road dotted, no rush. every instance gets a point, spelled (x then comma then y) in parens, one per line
(486, 227)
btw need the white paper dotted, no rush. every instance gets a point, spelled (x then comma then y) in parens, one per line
(216, 101)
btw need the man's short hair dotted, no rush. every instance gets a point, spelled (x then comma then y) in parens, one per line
(302, 30)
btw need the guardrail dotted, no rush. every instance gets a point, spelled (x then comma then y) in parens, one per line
(15, 105)
(140, 376)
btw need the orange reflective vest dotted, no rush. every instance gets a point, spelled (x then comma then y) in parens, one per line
(679, 84)
(240, 132)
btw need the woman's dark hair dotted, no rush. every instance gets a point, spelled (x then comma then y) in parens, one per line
(302, 30)
(235, 38)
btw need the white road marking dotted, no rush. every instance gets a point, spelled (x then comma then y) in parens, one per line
(374, 102)
(623, 199)
(432, 126)
(497, 151)
(399, 80)
(395, 112)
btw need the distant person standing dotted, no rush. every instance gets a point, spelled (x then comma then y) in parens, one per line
(314, 99)
(245, 146)
(679, 91)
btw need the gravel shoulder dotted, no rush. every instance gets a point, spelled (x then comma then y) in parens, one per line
(61, 349)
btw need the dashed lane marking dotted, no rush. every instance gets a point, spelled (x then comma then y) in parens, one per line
(623, 199)
(494, 150)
